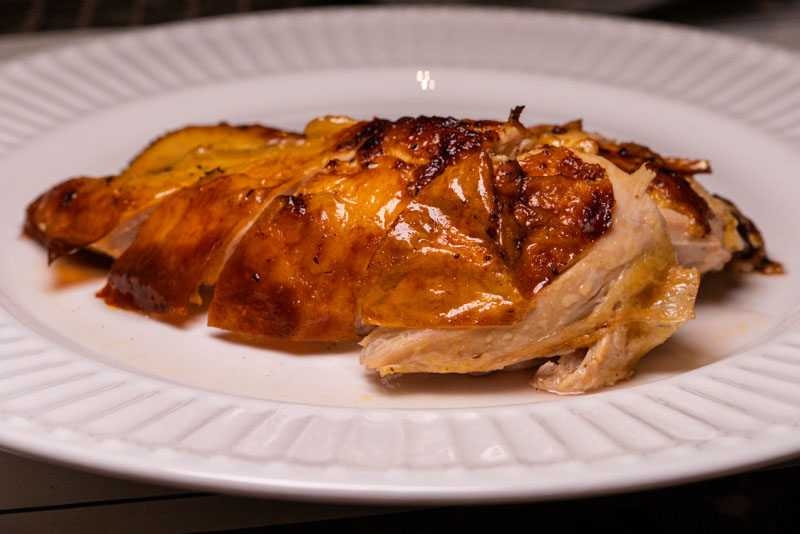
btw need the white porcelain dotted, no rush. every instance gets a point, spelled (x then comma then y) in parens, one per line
(116, 392)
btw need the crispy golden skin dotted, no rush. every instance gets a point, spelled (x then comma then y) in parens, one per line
(558, 205)
(707, 226)
(163, 268)
(299, 269)
(474, 247)
(438, 265)
(82, 211)
(184, 241)
(293, 274)
(72, 215)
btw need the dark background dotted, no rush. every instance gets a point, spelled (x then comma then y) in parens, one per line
(45, 15)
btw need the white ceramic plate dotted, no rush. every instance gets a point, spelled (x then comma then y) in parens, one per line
(183, 404)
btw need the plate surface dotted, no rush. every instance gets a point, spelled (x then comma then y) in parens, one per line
(188, 405)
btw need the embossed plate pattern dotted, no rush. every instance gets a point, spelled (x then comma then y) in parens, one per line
(114, 392)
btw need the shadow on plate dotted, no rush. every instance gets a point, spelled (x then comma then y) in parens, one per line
(79, 268)
(717, 287)
(297, 348)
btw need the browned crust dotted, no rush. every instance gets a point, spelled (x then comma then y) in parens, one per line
(163, 268)
(438, 267)
(553, 206)
(672, 188)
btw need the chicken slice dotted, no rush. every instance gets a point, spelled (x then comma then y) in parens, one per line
(294, 272)
(186, 239)
(182, 243)
(104, 213)
(627, 286)
(437, 266)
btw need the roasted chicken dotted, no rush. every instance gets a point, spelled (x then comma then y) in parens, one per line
(455, 246)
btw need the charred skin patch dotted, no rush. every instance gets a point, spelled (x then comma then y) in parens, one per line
(296, 205)
(551, 207)
(430, 144)
(367, 133)
(444, 140)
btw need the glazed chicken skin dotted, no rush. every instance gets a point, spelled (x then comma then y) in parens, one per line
(104, 213)
(299, 270)
(707, 231)
(458, 246)
(186, 238)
